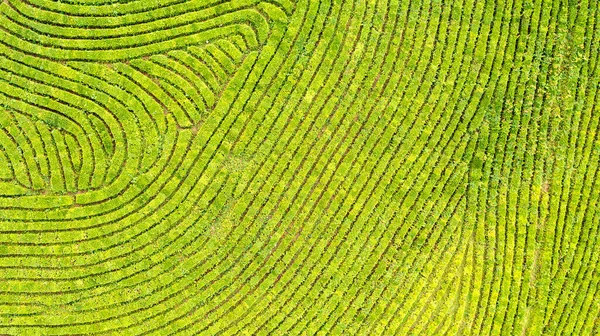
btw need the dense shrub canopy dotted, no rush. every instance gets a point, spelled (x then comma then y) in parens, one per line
(283, 167)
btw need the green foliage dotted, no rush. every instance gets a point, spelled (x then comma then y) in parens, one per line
(310, 167)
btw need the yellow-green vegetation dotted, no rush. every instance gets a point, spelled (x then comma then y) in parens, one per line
(299, 167)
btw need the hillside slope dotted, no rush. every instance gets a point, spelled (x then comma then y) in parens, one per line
(283, 167)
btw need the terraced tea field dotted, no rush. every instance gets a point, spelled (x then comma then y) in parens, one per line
(283, 167)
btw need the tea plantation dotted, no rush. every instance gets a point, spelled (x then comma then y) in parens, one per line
(299, 167)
